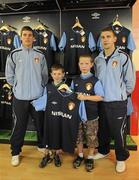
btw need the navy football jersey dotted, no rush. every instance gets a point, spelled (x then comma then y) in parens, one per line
(61, 120)
(9, 40)
(125, 40)
(5, 105)
(86, 86)
(73, 44)
(45, 41)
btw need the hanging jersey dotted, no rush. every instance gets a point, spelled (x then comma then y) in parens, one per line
(8, 41)
(86, 87)
(74, 44)
(45, 41)
(125, 41)
(5, 105)
(61, 120)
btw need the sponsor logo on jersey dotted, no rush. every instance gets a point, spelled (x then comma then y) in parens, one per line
(83, 38)
(88, 86)
(5, 102)
(71, 105)
(121, 47)
(41, 47)
(86, 94)
(123, 39)
(9, 41)
(114, 64)
(5, 48)
(78, 46)
(60, 113)
(37, 60)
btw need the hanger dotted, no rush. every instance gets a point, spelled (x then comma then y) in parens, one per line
(6, 86)
(12, 27)
(64, 87)
(41, 26)
(77, 24)
(116, 21)
(5, 27)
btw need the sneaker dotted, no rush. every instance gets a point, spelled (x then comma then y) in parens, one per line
(51, 154)
(89, 165)
(120, 166)
(77, 162)
(99, 156)
(57, 160)
(15, 160)
(45, 160)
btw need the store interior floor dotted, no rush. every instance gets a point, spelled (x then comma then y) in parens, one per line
(29, 170)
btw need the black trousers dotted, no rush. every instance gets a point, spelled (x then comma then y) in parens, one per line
(113, 125)
(21, 111)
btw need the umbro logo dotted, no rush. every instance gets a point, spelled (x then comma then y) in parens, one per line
(54, 102)
(120, 118)
(26, 19)
(95, 15)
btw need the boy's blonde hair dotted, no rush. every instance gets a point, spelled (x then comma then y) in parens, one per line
(87, 56)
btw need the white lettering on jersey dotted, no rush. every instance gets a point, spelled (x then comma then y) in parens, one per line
(5, 48)
(60, 113)
(77, 46)
(41, 47)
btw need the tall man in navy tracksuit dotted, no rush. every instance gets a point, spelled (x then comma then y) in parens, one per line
(26, 71)
(116, 72)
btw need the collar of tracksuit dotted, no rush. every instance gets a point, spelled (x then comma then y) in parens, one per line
(102, 54)
(108, 57)
(57, 85)
(86, 76)
(27, 49)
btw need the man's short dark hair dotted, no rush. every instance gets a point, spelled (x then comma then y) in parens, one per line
(109, 28)
(27, 28)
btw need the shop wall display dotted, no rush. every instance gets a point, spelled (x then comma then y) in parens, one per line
(91, 20)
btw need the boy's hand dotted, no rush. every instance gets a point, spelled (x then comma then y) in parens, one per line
(82, 97)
